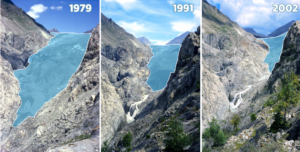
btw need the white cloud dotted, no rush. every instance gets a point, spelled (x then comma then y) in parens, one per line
(197, 14)
(126, 4)
(62, 2)
(256, 13)
(133, 27)
(171, 2)
(183, 26)
(56, 8)
(36, 9)
(129, 5)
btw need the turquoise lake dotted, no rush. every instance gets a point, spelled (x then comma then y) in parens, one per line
(49, 72)
(275, 49)
(161, 65)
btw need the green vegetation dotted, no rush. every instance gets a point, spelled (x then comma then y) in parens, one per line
(127, 141)
(235, 120)
(105, 147)
(176, 138)
(77, 138)
(279, 123)
(289, 94)
(148, 136)
(253, 117)
(214, 134)
(253, 133)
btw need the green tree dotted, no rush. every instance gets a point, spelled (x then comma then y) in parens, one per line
(214, 135)
(289, 94)
(279, 123)
(253, 117)
(127, 140)
(176, 137)
(235, 120)
(105, 147)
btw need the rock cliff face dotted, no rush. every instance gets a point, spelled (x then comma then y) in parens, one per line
(124, 75)
(232, 62)
(71, 116)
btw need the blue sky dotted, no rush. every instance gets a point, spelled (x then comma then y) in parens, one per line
(154, 19)
(56, 14)
(257, 14)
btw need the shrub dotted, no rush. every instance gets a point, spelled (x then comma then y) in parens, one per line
(176, 138)
(127, 140)
(105, 147)
(148, 136)
(253, 117)
(279, 123)
(214, 133)
(235, 121)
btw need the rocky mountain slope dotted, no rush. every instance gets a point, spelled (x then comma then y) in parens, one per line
(124, 91)
(281, 29)
(254, 33)
(179, 39)
(144, 40)
(53, 30)
(232, 65)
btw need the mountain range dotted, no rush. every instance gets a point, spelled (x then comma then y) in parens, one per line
(253, 32)
(53, 30)
(281, 29)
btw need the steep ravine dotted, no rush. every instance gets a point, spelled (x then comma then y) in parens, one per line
(124, 76)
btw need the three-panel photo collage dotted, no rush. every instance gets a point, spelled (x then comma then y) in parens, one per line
(150, 76)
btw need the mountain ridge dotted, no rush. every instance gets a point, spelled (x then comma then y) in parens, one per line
(281, 29)
(144, 40)
(179, 39)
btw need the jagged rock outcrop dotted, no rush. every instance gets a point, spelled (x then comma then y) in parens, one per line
(232, 62)
(290, 56)
(21, 37)
(71, 117)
